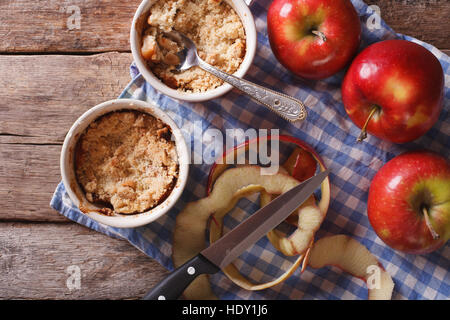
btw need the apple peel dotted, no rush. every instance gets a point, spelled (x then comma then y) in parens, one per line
(309, 220)
(352, 257)
(191, 223)
(301, 164)
(309, 216)
(298, 165)
(215, 232)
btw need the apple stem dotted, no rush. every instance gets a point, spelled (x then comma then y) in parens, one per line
(320, 34)
(428, 223)
(363, 133)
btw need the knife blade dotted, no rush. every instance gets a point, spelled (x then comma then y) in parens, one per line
(225, 250)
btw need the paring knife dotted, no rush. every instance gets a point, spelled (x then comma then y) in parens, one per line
(225, 250)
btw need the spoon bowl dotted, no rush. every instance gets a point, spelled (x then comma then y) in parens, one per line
(188, 54)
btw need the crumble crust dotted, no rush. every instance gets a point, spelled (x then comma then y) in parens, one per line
(215, 28)
(126, 160)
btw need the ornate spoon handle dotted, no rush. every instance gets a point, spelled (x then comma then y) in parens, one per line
(287, 107)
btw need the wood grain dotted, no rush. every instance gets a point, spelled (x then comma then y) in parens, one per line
(41, 26)
(44, 94)
(34, 259)
(29, 175)
(426, 20)
(49, 26)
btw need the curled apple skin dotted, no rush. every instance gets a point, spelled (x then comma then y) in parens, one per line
(193, 220)
(349, 255)
(294, 167)
(191, 223)
(409, 202)
(231, 271)
(301, 164)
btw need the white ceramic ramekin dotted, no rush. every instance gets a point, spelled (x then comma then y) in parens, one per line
(135, 40)
(74, 190)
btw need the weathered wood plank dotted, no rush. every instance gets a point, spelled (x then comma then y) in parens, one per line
(34, 259)
(29, 175)
(44, 94)
(42, 26)
(51, 25)
(424, 20)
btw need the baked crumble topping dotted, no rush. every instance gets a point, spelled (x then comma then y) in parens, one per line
(215, 28)
(126, 161)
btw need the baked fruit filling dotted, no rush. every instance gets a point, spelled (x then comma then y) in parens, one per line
(126, 161)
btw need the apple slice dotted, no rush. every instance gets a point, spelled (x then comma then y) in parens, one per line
(350, 256)
(191, 223)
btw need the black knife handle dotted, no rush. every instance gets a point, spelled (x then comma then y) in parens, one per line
(171, 287)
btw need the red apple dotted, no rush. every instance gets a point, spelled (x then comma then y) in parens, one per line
(409, 202)
(313, 38)
(394, 90)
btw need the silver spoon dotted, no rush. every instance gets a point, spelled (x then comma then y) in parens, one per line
(287, 107)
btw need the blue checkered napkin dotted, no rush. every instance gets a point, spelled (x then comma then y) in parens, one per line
(333, 135)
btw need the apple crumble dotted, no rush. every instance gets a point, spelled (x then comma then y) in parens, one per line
(215, 28)
(126, 161)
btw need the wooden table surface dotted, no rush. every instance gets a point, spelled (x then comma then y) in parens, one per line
(49, 76)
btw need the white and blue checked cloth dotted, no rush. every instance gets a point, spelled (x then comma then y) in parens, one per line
(329, 130)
